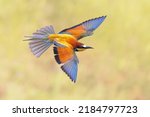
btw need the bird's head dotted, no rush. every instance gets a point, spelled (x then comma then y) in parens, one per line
(82, 48)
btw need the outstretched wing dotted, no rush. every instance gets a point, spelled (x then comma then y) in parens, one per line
(68, 60)
(85, 28)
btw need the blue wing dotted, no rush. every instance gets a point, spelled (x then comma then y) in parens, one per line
(92, 24)
(71, 68)
(68, 60)
(85, 28)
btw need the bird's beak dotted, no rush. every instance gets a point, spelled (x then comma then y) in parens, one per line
(88, 47)
(82, 48)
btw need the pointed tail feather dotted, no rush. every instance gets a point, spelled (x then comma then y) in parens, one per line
(39, 41)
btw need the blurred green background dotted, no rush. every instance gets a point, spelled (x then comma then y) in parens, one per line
(117, 68)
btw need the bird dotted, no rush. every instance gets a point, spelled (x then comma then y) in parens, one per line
(65, 43)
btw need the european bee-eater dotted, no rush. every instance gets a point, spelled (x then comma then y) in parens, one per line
(65, 43)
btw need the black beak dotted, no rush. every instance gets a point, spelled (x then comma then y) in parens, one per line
(88, 47)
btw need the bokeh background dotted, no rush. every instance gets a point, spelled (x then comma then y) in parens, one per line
(117, 68)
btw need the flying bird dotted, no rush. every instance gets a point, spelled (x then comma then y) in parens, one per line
(66, 43)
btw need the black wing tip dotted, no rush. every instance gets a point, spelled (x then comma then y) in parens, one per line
(74, 81)
(104, 16)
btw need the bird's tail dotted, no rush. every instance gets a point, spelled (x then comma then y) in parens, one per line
(39, 41)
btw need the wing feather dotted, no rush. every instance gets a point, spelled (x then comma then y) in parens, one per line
(71, 68)
(85, 28)
(68, 60)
